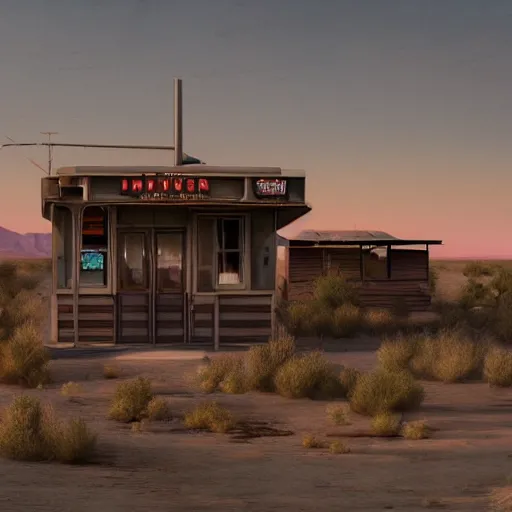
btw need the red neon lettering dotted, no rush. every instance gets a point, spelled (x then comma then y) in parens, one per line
(204, 186)
(165, 185)
(137, 186)
(178, 184)
(150, 185)
(191, 186)
(124, 185)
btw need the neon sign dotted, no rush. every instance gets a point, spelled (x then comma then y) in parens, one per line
(270, 187)
(167, 187)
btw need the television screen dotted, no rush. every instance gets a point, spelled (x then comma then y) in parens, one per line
(92, 260)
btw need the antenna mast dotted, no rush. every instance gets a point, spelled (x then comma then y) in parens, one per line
(50, 150)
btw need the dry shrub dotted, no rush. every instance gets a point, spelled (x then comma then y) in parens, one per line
(215, 371)
(310, 441)
(382, 391)
(298, 318)
(111, 372)
(263, 361)
(131, 400)
(32, 433)
(498, 367)
(385, 424)
(476, 269)
(339, 414)
(308, 376)
(158, 409)
(337, 447)
(235, 382)
(395, 354)
(348, 379)
(70, 389)
(333, 291)
(209, 416)
(347, 321)
(379, 321)
(25, 307)
(23, 358)
(416, 430)
(475, 293)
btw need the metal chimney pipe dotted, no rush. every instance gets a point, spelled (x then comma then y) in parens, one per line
(178, 122)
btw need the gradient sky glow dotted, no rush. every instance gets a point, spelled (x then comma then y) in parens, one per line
(399, 111)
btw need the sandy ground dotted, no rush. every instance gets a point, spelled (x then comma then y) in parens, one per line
(169, 469)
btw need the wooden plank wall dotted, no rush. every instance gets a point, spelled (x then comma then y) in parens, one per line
(96, 318)
(65, 330)
(133, 314)
(245, 318)
(384, 294)
(409, 264)
(346, 261)
(170, 325)
(304, 266)
(202, 322)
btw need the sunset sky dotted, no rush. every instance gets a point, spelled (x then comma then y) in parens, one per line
(399, 111)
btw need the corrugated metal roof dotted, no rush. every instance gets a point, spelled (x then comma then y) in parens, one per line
(312, 237)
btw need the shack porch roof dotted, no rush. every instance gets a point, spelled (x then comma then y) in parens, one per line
(324, 238)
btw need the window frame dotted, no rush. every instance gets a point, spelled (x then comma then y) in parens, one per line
(367, 249)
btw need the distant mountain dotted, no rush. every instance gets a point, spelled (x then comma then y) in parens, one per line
(29, 245)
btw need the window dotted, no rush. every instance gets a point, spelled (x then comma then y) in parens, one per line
(229, 251)
(263, 251)
(94, 250)
(63, 225)
(169, 253)
(133, 269)
(375, 263)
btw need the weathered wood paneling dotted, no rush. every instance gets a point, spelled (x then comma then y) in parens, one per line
(169, 318)
(245, 318)
(346, 261)
(133, 314)
(66, 330)
(202, 319)
(96, 319)
(409, 264)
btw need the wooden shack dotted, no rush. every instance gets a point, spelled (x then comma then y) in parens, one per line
(161, 255)
(384, 267)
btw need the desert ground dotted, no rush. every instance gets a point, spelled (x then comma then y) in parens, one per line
(164, 467)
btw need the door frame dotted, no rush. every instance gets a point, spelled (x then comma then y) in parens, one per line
(150, 245)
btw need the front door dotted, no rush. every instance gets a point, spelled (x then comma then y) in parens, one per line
(151, 298)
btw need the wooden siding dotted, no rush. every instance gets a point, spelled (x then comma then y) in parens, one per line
(169, 318)
(65, 329)
(245, 318)
(133, 314)
(409, 264)
(346, 261)
(304, 266)
(202, 322)
(96, 319)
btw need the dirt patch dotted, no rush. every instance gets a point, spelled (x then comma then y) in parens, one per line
(245, 431)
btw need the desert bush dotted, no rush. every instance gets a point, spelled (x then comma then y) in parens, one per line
(383, 391)
(347, 321)
(474, 294)
(333, 291)
(25, 307)
(23, 358)
(215, 371)
(338, 414)
(385, 424)
(70, 389)
(158, 409)
(297, 318)
(348, 380)
(263, 361)
(235, 382)
(131, 400)
(111, 372)
(396, 353)
(380, 321)
(416, 430)
(337, 447)
(209, 416)
(476, 269)
(308, 376)
(433, 280)
(498, 367)
(310, 441)
(32, 433)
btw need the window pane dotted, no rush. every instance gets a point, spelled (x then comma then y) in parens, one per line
(230, 268)
(231, 234)
(263, 251)
(375, 263)
(132, 264)
(93, 258)
(169, 252)
(206, 253)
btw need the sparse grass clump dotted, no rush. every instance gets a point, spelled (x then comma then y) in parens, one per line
(310, 441)
(111, 372)
(32, 433)
(23, 358)
(131, 400)
(211, 375)
(308, 376)
(337, 447)
(380, 321)
(498, 367)
(383, 391)
(158, 409)
(416, 430)
(333, 291)
(209, 416)
(70, 389)
(395, 354)
(348, 379)
(339, 414)
(385, 424)
(347, 321)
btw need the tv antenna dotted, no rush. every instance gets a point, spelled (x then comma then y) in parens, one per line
(50, 149)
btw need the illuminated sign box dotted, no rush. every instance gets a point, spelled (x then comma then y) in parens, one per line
(168, 187)
(270, 187)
